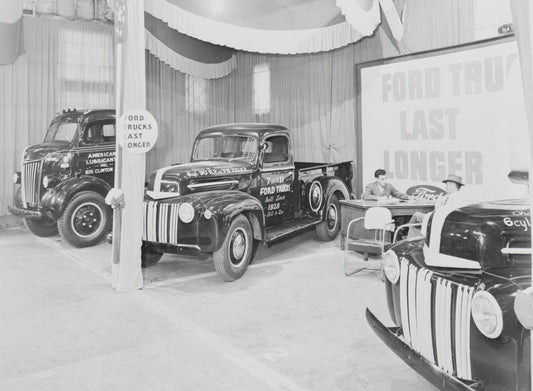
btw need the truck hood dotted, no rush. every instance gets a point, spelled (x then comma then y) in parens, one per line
(38, 151)
(199, 176)
(521, 277)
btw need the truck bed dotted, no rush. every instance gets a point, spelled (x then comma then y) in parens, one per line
(306, 171)
(308, 166)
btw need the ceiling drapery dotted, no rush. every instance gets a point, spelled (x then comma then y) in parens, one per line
(267, 26)
(186, 54)
(362, 15)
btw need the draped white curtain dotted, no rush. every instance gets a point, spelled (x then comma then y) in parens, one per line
(247, 38)
(66, 64)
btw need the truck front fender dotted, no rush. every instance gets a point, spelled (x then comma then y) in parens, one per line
(225, 207)
(55, 200)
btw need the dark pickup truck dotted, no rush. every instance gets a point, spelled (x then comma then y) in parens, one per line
(242, 187)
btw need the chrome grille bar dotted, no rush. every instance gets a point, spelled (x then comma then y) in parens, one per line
(160, 222)
(31, 181)
(435, 318)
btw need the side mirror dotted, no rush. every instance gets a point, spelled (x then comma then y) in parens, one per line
(264, 147)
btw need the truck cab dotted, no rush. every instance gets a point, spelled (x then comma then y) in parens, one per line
(64, 179)
(242, 187)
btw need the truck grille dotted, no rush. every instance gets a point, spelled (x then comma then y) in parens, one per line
(160, 222)
(435, 316)
(31, 181)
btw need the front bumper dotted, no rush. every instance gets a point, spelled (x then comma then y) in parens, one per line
(30, 214)
(430, 372)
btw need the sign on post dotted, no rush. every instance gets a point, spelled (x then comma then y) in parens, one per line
(137, 131)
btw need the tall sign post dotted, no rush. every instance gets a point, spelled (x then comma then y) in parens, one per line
(135, 136)
(523, 22)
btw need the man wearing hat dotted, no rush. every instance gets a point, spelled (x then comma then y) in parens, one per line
(453, 185)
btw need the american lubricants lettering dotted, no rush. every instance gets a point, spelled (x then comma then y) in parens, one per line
(101, 158)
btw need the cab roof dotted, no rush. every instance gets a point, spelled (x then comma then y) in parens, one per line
(256, 129)
(87, 113)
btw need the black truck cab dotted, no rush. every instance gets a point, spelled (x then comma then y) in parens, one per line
(64, 179)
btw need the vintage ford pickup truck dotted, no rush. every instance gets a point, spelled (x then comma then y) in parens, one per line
(451, 297)
(242, 187)
(65, 178)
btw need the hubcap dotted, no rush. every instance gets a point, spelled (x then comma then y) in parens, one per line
(332, 217)
(238, 247)
(87, 219)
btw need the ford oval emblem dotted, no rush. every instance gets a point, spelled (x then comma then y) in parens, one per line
(425, 192)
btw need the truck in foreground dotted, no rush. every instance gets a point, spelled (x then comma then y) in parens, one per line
(451, 297)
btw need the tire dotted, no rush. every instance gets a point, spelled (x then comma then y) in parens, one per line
(233, 257)
(149, 257)
(330, 227)
(86, 220)
(42, 228)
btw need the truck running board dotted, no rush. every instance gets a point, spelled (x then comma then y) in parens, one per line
(289, 229)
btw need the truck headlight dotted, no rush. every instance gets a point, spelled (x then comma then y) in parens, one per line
(186, 212)
(487, 314)
(391, 266)
(16, 178)
(49, 181)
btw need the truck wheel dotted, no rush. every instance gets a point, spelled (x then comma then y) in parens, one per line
(330, 227)
(43, 228)
(86, 220)
(149, 257)
(233, 257)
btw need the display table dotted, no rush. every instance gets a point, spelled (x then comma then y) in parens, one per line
(353, 209)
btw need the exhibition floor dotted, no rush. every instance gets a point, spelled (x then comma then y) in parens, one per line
(293, 322)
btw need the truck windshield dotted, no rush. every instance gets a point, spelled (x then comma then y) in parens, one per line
(62, 131)
(223, 147)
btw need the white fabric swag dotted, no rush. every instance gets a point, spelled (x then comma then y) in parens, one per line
(187, 65)
(264, 41)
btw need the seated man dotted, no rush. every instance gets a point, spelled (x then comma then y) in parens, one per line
(453, 185)
(381, 190)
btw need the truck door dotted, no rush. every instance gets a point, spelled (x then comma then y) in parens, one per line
(277, 180)
(96, 152)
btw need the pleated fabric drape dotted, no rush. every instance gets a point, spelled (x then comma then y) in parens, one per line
(67, 64)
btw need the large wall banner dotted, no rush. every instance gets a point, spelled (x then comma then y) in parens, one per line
(457, 111)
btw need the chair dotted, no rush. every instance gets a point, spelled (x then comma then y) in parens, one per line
(377, 219)
(422, 226)
(401, 227)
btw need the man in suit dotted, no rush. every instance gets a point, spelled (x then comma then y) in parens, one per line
(381, 190)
